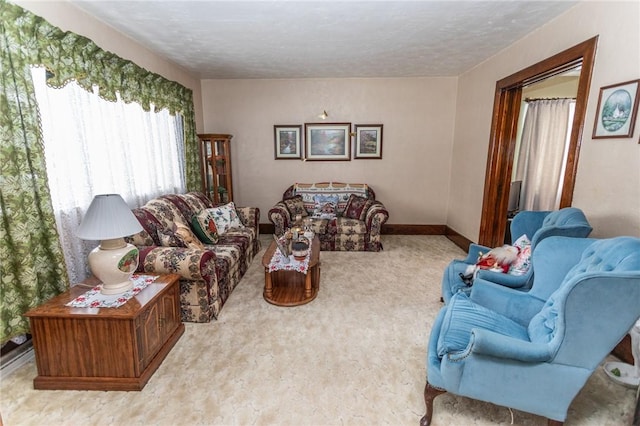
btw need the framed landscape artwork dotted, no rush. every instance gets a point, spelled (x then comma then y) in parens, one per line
(288, 144)
(617, 110)
(368, 141)
(328, 141)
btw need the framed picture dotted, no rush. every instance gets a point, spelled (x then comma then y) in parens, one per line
(328, 141)
(617, 110)
(368, 141)
(288, 144)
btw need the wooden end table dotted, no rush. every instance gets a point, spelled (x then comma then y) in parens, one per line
(292, 288)
(105, 348)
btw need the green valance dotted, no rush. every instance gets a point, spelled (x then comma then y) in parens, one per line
(69, 56)
(31, 260)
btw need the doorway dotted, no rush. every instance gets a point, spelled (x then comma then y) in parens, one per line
(504, 126)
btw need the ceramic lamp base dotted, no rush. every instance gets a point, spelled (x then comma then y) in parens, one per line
(113, 262)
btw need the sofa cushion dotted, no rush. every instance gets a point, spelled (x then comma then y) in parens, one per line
(166, 212)
(188, 237)
(204, 226)
(295, 206)
(196, 201)
(462, 315)
(344, 225)
(179, 235)
(357, 207)
(226, 217)
(149, 234)
(319, 226)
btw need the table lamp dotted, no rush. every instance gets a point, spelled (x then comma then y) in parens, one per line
(109, 219)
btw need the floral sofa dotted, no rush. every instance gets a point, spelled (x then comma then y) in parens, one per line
(209, 272)
(345, 216)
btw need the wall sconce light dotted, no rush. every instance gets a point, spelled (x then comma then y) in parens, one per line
(324, 115)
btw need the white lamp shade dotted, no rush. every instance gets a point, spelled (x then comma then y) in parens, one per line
(108, 217)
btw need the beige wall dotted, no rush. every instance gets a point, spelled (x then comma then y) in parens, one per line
(424, 177)
(412, 179)
(69, 18)
(608, 180)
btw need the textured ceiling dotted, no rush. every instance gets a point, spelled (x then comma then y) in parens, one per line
(303, 39)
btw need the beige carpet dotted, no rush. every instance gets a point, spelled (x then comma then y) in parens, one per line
(354, 356)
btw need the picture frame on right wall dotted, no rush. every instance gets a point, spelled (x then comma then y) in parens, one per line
(617, 110)
(368, 142)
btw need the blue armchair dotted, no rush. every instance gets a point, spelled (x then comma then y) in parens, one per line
(537, 225)
(538, 360)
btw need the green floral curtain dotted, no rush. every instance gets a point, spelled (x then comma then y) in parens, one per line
(32, 263)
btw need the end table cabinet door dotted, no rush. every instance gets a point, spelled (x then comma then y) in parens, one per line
(156, 324)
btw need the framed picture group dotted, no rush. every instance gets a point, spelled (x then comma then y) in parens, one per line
(327, 141)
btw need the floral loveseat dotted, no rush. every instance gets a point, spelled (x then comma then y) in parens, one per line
(345, 216)
(209, 272)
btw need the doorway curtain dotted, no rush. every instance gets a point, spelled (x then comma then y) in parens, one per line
(32, 261)
(542, 154)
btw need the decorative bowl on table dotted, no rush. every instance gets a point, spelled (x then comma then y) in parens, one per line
(300, 249)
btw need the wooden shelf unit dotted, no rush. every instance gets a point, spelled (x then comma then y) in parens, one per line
(215, 162)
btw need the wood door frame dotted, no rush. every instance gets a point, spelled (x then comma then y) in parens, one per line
(504, 126)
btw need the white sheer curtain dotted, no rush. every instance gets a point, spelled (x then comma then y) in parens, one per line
(542, 157)
(93, 146)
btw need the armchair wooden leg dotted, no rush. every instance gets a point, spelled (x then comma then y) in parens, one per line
(429, 395)
(554, 423)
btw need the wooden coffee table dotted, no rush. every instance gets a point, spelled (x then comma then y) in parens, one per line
(292, 288)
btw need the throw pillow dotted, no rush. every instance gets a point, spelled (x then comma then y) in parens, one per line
(357, 207)
(226, 217)
(204, 226)
(179, 236)
(523, 261)
(168, 238)
(295, 206)
(325, 206)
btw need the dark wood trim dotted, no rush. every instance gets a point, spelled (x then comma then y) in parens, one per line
(458, 239)
(623, 350)
(267, 228)
(388, 229)
(399, 229)
(502, 140)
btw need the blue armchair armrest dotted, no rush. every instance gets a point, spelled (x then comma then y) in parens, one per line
(507, 280)
(489, 343)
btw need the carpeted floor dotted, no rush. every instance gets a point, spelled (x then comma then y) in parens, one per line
(353, 356)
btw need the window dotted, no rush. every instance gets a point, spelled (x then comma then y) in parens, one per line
(93, 146)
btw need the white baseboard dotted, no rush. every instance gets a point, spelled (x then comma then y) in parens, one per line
(15, 363)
